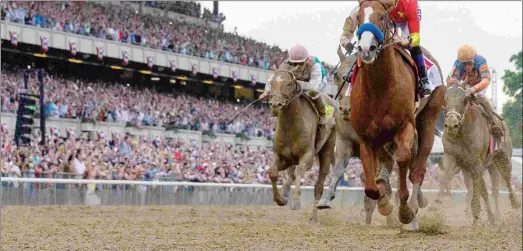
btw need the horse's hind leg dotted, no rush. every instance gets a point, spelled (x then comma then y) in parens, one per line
(384, 205)
(325, 157)
(484, 194)
(480, 189)
(369, 205)
(343, 155)
(305, 164)
(504, 165)
(277, 165)
(404, 141)
(425, 125)
(494, 179)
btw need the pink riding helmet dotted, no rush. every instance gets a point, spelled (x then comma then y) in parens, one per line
(298, 54)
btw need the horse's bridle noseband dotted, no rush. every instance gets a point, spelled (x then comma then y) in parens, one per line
(287, 99)
(460, 117)
(373, 28)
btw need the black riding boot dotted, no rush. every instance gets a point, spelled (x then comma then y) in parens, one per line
(423, 84)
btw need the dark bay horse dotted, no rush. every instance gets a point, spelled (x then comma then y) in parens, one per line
(296, 140)
(383, 108)
(466, 147)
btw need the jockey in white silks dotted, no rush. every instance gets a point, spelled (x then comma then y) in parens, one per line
(311, 75)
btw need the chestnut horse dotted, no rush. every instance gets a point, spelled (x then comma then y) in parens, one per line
(383, 109)
(348, 145)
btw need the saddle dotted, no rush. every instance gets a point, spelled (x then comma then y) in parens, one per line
(433, 73)
(330, 118)
(496, 129)
(310, 99)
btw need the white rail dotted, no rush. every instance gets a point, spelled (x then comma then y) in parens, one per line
(181, 183)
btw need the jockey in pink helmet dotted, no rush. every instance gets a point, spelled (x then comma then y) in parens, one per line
(310, 74)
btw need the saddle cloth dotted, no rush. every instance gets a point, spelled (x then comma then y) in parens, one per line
(435, 78)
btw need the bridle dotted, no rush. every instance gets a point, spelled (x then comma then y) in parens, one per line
(288, 99)
(457, 115)
(379, 34)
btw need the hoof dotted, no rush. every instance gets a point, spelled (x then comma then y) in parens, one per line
(422, 201)
(412, 226)
(492, 221)
(373, 194)
(406, 215)
(281, 202)
(295, 206)
(514, 202)
(384, 206)
(324, 204)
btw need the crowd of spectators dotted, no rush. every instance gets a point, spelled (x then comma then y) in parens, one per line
(101, 101)
(172, 160)
(133, 159)
(125, 25)
(188, 8)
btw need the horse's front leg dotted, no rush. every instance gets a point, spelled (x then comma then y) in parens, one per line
(450, 169)
(278, 164)
(369, 159)
(305, 164)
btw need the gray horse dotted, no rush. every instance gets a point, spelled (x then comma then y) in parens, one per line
(466, 145)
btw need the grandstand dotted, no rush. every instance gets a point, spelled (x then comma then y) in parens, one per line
(142, 91)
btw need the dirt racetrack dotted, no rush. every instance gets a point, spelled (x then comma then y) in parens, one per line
(245, 228)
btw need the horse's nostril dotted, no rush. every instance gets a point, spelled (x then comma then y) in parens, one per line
(359, 48)
(446, 125)
(455, 126)
(372, 48)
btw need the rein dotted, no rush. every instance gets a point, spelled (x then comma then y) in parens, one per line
(288, 99)
(460, 117)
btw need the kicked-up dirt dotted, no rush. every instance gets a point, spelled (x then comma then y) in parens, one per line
(247, 228)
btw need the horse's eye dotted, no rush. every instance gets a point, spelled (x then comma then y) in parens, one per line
(382, 18)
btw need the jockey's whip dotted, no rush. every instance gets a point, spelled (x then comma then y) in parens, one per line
(336, 67)
(345, 79)
(242, 110)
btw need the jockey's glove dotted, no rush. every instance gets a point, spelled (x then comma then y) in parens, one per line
(470, 91)
(345, 43)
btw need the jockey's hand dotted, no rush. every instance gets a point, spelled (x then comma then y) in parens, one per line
(345, 43)
(470, 91)
(264, 95)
